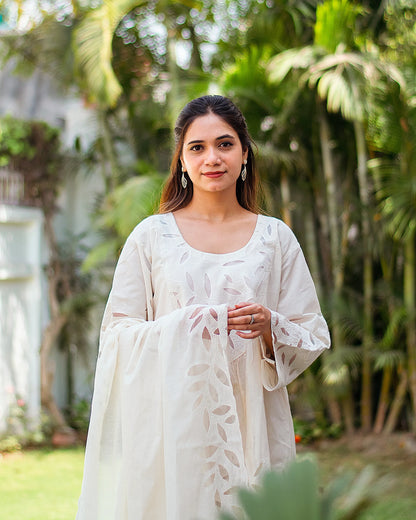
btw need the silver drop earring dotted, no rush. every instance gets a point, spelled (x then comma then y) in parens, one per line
(184, 182)
(244, 171)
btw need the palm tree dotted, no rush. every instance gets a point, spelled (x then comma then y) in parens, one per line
(341, 78)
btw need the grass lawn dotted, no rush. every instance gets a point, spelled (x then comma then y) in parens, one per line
(45, 484)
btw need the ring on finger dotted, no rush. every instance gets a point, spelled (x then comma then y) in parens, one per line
(252, 319)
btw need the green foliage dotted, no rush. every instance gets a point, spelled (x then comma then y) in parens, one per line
(121, 211)
(335, 23)
(15, 140)
(294, 494)
(79, 415)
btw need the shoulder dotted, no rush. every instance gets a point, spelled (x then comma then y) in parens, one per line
(281, 232)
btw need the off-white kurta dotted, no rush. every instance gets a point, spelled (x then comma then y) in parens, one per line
(183, 412)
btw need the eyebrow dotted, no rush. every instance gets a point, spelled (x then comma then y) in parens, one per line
(225, 136)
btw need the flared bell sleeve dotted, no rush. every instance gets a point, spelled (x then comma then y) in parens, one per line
(299, 331)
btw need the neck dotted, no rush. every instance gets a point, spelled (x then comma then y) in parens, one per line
(214, 206)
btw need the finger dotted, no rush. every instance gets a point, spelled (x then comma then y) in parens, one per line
(242, 320)
(243, 311)
(249, 335)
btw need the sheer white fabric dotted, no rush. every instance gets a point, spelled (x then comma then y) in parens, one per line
(183, 413)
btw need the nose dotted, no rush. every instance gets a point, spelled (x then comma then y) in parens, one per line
(212, 156)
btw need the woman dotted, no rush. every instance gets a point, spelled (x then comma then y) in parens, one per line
(211, 314)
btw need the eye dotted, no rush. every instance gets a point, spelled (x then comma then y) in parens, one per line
(196, 148)
(226, 144)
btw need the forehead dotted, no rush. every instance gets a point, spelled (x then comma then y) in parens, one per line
(208, 126)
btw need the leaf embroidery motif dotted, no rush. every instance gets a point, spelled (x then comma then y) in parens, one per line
(197, 369)
(195, 323)
(169, 235)
(230, 419)
(195, 313)
(213, 392)
(206, 420)
(217, 332)
(184, 257)
(283, 357)
(300, 342)
(232, 457)
(197, 386)
(210, 450)
(222, 410)
(231, 291)
(206, 334)
(190, 281)
(284, 331)
(197, 402)
(223, 472)
(214, 314)
(207, 284)
(292, 359)
(234, 262)
(190, 301)
(228, 278)
(222, 433)
(217, 499)
(269, 229)
(222, 376)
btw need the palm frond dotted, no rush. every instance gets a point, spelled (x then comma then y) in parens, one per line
(92, 47)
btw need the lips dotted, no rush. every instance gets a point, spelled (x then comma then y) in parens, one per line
(213, 175)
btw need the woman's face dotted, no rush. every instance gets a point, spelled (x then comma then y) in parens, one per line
(212, 154)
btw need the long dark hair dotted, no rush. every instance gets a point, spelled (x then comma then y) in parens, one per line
(174, 196)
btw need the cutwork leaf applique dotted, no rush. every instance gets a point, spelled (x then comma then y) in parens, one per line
(300, 342)
(234, 262)
(231, 491)
(195, 323)
(197, 386)
(223, 472)
(190, 281)
(196, 370)
(292, 359)
(284, 331)
(169, 235)
(217, 332)
(230, 290)
(228, 278)
(213, 392)
(210, 480)
(210, 465)
(210, 450)
(217, 499)
(184, 257)
(207, 284)
(222, 410)
(269, 229)
(206, 334)
(230, 420)
(222, 376)
(214, 314)
(190, 301)
(206, 420)
(222, 433)
(283, 357)
(232, 457)
(197, 402)
(195, 313)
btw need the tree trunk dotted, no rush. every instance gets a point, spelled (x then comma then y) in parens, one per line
(397, 403)
(366, 376)
(409, 276)
(383, 402)
(334, 237)
(51, 332)
(285, 194)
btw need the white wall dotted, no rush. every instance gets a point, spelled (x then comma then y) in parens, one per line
(20, 308)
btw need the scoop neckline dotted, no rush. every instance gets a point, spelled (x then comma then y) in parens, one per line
(219, 255)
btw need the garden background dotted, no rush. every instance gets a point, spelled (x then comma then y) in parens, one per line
(328, 89)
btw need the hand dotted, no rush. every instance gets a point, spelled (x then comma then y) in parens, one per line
(240, 316)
